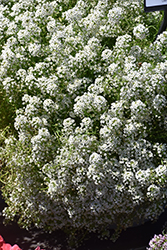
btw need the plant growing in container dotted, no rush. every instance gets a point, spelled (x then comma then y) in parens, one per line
(89, 87)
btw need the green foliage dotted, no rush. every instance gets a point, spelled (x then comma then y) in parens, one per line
(7, 112)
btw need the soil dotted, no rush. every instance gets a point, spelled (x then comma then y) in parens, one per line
(136, 238)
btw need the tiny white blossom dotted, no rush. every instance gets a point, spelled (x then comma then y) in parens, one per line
(153, 192)
(140, 32)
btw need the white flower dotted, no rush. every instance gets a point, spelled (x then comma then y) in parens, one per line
(140, 32)
(88, 103)
(161, 40)
(86, 123)
(76, 13)
(117, 109)
(107, 54)
(138, 110)
(114, 15)
(123, 41)
(128, 177)
(12, 27)
(41, 146)
(95, 158)
(68, 122)
(34, 49)
(161, 173)
(153, 192)
(132, 129)
(50, 106)
(143, 177)
(52, 187)
(159, 102)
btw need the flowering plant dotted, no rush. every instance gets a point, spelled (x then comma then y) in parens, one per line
(6, 246)
(88, 85)
(158, 242)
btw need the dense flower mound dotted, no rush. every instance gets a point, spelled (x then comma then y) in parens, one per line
(89, 88)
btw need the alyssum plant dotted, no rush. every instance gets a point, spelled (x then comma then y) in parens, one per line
(89, 88)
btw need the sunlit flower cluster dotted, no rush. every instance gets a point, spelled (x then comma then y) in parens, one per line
(89, 88)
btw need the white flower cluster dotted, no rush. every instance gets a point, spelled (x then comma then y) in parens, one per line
(140, 31)
(89, 89)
